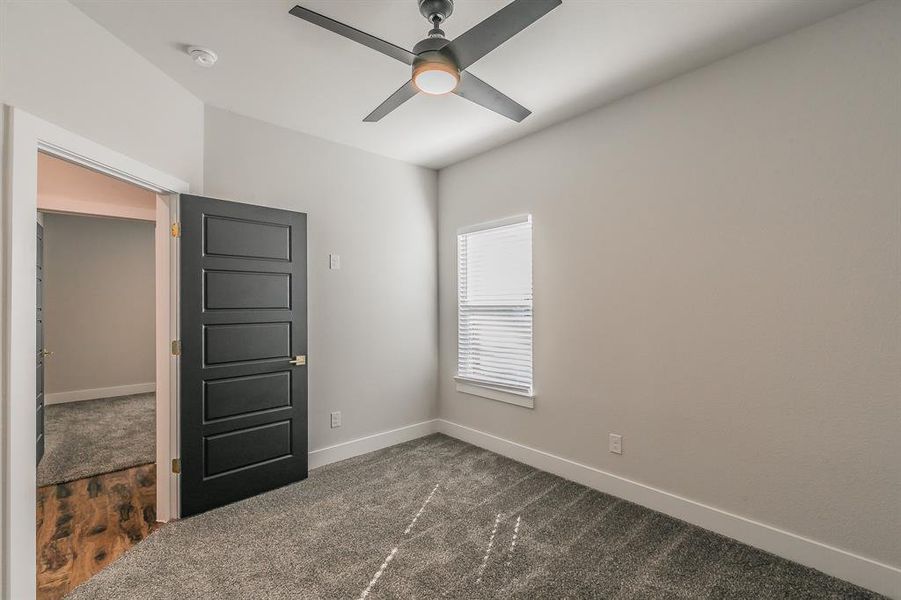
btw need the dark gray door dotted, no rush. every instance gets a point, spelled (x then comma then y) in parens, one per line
(39, 345)
(243, 373)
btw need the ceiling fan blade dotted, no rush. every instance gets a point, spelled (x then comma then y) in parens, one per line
(475, 90)
(403, 93)
(354, 34)
(497, 29)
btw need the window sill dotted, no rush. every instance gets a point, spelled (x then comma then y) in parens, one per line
(474, 389)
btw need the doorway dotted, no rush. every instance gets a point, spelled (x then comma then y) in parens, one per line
(96, 403)
(26, 137)
(251, 328)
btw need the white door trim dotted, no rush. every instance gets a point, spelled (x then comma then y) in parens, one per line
(26, 135)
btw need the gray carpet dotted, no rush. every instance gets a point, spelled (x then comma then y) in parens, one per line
(437, 518)
(97, 436)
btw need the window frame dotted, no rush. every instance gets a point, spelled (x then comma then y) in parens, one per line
(479, 388)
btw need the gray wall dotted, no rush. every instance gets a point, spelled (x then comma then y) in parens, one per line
(716, 278)
(99, 302)
(60, 65)
(372, 324)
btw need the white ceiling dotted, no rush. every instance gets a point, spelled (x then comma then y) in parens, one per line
(585, 53)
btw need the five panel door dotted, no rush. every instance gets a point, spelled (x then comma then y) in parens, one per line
(243, 373)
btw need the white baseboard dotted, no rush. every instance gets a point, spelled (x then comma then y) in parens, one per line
(94, 393)
(370, 443)
(882, 578)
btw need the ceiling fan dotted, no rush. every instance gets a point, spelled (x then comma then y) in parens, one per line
(439, 65)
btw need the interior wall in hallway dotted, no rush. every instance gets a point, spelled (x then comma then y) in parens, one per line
(98, 303)
(70, 188)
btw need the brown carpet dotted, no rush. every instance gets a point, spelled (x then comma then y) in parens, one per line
(438, 518)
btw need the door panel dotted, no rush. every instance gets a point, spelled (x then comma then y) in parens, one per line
(233, 289)
(247, 342)
(244, 238)
(243, 318)
(242, 395)
(39, 346)
(247, 447)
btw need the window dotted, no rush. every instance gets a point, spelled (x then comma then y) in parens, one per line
(494, 300)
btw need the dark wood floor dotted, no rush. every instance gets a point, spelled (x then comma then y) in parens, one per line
(84, 525)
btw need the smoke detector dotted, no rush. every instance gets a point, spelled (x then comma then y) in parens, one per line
(202, 56)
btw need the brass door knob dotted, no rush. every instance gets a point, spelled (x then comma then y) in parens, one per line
(45, 353)
(299, 360)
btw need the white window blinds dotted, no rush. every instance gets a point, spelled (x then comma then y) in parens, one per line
(494, 287)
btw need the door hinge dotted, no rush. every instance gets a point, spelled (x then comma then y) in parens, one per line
(175, 229)
(176, 465)
(176, 347)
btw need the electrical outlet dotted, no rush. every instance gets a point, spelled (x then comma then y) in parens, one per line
(616, 443)
(334, 261)
(336, 419)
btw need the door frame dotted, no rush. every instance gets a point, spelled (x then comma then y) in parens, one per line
(26, 135)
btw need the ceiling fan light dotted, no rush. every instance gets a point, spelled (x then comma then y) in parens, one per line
(436, 81)
(435, 74)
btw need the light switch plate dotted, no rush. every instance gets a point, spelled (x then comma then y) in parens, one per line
(334, 262)
(336, 419)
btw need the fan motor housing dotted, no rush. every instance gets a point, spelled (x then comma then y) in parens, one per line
(436, 10)
(430, 44)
